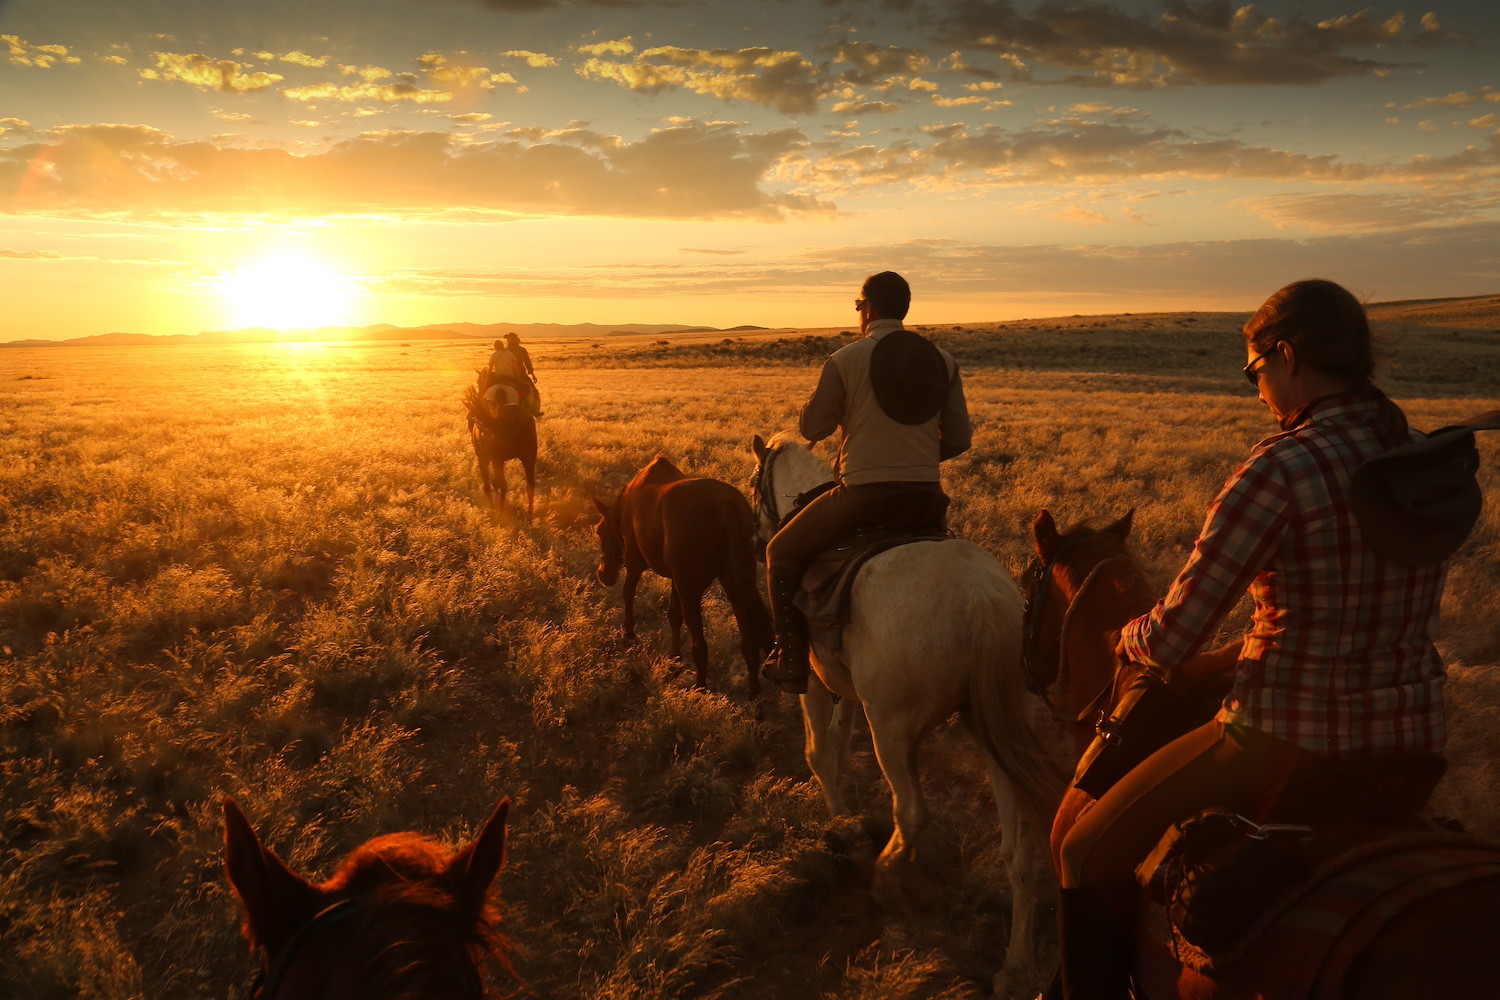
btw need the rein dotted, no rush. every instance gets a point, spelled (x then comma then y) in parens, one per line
(760, 489)
(268, 981)
(1033, 606)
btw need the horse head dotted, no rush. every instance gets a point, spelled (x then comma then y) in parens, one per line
(785, 468)
(400, 918)
(611, 541)
(1068, 659)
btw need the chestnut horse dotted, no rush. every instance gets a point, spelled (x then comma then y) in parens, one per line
(934, 630)
(400, 917)
(1082, 587)
(688, 531)
(499, 434)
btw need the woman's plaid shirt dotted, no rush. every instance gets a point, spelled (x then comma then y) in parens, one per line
(1339, 658)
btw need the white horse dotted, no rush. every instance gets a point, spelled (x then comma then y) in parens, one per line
(935, 628)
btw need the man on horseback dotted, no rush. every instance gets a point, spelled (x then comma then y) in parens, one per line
(510, 367)
(899, 401)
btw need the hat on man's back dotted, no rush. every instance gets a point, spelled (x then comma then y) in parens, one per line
(1417, 503)
(909, 376)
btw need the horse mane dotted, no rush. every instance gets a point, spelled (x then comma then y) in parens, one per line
(1093, 525)
(659, 470)
(798, 457)
(418, 936)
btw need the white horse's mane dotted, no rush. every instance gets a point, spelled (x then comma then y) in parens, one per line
(798, 462)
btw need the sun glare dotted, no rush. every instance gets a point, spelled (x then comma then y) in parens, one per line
(288, 291)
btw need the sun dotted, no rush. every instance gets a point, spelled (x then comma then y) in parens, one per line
(288, 290)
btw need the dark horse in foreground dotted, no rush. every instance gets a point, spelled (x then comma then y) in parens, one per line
(400, 917)
(1394, 912)
(499, 434)
(689, 531)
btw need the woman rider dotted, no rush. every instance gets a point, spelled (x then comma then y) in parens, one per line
(1339, 661)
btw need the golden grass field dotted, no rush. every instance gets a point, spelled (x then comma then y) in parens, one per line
(269, 572)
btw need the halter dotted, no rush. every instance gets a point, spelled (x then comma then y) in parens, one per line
(268, 981)
(1032, 607)
(763, 504)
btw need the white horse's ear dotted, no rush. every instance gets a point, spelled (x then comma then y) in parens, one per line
(758, 446)
(1044, 533)
(1121, 528)
(601, 507)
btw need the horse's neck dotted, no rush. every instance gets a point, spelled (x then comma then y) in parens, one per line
(1113, 593)
(659, 471)
(797, 470)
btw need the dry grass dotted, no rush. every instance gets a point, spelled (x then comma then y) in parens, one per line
(269, 572)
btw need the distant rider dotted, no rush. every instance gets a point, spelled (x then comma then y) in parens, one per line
(902, 411)
(511, 366)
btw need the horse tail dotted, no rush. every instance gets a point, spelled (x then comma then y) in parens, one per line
(479, 413)
(1001, 708)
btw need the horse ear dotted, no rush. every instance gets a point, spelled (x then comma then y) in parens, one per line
(275, 899)
(1121, 528)
(1044, 533)
(758, 446)
(475, 867)
(601, 507)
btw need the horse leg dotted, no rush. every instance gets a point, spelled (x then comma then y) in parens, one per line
(632, 578)
(482, 460)
(749, 618)
(500, 481)
(674, 621)
(692, 614)
(827, 729)
(530, 468)
(1021, 973)
(896, 750)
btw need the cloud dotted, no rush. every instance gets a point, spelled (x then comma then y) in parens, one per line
(1354, 212)
(618, 47)
(688, 170)
(784, 80)
(857, 107)
(403, 90)
(299, 58)
(536, 60)
(1210, 42)
(206, 73)
(459, 76)
(870, 62)
(1457, 99)
(23, 53)
(31, 254)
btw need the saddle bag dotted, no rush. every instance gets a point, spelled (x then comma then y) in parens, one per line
(1148, 715)
(1216, 872)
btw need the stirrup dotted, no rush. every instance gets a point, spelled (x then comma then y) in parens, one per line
(789, 681)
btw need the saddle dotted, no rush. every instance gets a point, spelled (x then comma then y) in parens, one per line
(828, 584)
(1218, 880)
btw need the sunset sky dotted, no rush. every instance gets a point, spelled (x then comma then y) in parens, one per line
(173, 166)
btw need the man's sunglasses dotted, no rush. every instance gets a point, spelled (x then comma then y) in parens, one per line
(859, 304)
(1252, 374)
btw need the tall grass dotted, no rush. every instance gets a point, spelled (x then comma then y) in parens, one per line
(269, 572)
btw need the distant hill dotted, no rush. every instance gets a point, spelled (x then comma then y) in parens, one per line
(1482, 311)
(378, 332)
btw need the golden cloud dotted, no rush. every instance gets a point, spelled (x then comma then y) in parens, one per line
(786, 81)
(206, 73)
(689, 170)
(536, 60)
(458, 76)
(619, 47)
(23, 53)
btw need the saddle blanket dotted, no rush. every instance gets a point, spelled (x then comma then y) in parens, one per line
(828, 583)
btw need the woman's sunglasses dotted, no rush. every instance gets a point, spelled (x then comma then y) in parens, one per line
(1252, 374)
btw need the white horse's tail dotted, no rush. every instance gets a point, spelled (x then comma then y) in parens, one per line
(1001, 708)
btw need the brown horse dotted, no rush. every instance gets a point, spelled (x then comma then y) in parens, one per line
(1081, 588)
(499, 434)
(400, 917)
(689, 531)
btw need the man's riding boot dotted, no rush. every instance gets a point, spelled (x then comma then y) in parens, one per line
(787, 666)
(1095, 944)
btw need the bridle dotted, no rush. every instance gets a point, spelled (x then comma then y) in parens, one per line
(1038, 580)
(268, 981)
(764, 506)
